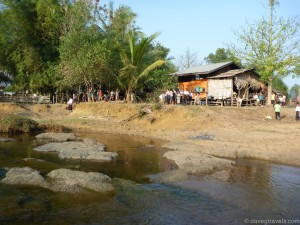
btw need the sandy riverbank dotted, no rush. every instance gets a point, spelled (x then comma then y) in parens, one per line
(199, 134)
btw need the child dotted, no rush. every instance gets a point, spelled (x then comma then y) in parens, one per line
(277, 109)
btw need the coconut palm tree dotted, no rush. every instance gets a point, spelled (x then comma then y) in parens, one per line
(138, 61)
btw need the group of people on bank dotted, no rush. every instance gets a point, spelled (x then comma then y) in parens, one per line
(178, 96)
(277, 109)
(91, 95)
(278, 102)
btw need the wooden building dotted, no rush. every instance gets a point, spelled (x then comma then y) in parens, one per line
(224, 85)
(196, 78)
(218, 81)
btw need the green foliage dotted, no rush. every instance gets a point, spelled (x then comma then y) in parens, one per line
(156, 106)
(29, 37)
(279, 85)
(271, 46)
(89, 52)
(295, 91)
(47, 45)
(17, 124)
(137, 65)
(222, 55)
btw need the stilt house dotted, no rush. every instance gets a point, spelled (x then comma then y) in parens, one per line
(218, 80)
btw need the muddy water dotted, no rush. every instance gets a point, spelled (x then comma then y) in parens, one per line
(253, 190)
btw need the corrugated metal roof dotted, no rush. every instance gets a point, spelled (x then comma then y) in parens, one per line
(230, 73)
(206, 69)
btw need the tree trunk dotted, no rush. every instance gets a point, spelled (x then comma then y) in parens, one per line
(269, 92)
(128, 96)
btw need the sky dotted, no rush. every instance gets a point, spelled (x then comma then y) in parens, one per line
(202, 26)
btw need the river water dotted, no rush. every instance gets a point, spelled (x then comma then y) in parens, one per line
(252, 192)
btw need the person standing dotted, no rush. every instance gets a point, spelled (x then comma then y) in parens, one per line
(117, 95)
(273, 98)
(283, 100)
(297, 111)
(100, 95)
(277, 109)
(186, 95)
(70, 104)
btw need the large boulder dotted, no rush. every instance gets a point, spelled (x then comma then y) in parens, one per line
(66, 180)
(87, 149)
(197, 163)
(60, 180)
(57, 137)
(24, 176)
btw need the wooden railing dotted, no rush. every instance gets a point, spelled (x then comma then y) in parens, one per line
(23, 99)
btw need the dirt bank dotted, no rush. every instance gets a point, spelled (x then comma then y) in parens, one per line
(216, 131)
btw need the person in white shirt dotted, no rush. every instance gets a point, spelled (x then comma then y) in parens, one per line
(298, 111)
(70, 104)
(185, 96)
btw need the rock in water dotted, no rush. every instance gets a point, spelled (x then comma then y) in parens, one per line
(67, 180)
(57, 137)
(60, 180)
(24, 176)
(88, 149)
(7, 140)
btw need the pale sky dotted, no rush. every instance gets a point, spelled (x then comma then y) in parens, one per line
(203, 26)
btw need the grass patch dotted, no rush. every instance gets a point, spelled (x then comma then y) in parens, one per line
(17, 124)
(157, 106)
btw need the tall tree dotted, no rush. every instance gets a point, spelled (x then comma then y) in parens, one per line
(89, 45)
(136, 62)
(159, 79)
(29, 37)
(83, 52)
(222, 55)
(271, 46)
(188, 59)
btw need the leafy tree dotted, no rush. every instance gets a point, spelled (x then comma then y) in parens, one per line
(89, 47)
(279, 85)
(222, 55)
(159, 78)
(29, 37)
(84, 49)
(115, 25)
(295, 91)
(136, 62)
(271, 46)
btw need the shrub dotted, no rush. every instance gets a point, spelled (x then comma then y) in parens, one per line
(157, 106)
(17, 124)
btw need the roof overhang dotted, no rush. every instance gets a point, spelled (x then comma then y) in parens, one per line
(203, 70)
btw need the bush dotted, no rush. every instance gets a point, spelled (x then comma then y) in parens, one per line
(157, 106)
(17, 124)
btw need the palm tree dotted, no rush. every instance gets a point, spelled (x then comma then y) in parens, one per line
(137, 62)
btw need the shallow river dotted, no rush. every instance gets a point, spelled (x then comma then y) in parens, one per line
(251, 191)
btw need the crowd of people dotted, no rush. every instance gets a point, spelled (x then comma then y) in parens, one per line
(92, 95)
(179, 96)
(99, 95)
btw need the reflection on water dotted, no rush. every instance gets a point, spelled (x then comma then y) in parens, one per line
(252, 189)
